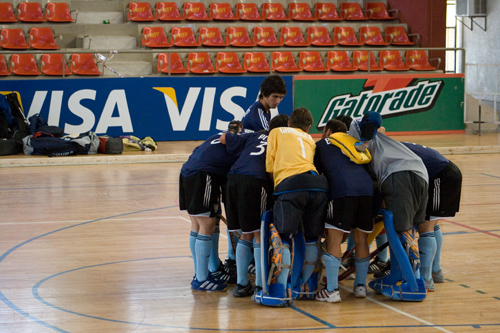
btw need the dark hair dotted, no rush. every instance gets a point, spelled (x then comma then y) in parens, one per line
(347, 120)
(280, 120)
(272, 84)
(335, 126)
(301, 118)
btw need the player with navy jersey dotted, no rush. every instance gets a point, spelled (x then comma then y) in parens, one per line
(258, 115)
(248, 196)
(350, 201)
(445, 188)
(200, 183)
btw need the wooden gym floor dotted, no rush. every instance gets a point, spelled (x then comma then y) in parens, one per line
(98, 244)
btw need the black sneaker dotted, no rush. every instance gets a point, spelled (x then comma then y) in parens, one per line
(384, 272)
(349, 261)
(376, 266)
(230, 263)
(251, 267)
(240, 291)
(221, 275)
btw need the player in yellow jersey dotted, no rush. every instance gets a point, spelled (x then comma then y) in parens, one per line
(300, 193)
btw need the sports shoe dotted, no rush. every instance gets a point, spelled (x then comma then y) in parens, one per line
(257, 289)
(224, 275)
(251, 267)
(429, 285)
(360, 291)
(384, 272)
(230, 263)
(349, 261)
(438, 276)
(376, 266)
(330, 297)
(208, 285)
(240, 291)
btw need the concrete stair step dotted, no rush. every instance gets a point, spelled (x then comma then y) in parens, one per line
(107, 42)
(127, 68)
(99, 17)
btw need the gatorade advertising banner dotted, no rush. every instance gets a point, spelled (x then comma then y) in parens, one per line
(166, 108)
(408, 103)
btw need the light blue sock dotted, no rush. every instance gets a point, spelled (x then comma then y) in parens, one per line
(230, 250)
(427, 251)
(311, 256)
(332, 265)
(380, 240)
(203, 247)
(436, 264)
(285, 260)
(214, 262)
(361, 270)
(192, 241)
(243, 258)
(350, 243)
(258, 267)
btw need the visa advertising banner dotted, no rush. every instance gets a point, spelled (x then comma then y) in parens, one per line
(408, 103)
(167, 108)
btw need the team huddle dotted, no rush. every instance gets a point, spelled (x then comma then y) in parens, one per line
(316, 194)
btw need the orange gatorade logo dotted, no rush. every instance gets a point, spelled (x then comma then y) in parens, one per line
(389, 97)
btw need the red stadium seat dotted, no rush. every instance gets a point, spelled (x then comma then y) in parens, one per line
(239, 37)
(42, 39)
(319, 36)
(400, 37)
(200, 63)
(417, 60)
(222, 12)
(311, 61)
(185, 37)
(4, 71)
(229, 63)
(52, 64)
(7, 13)
(274, 12)
(140, 12)
(196, 11)
(176, 64)
(353, 11)
(13, 39)
(378, 11)
(23, 64)
(301, 12)
(168, 11)
(292, 36)
(256, 62)
(391, 60)
(30, 12)
(345, 36)
(338, 61)
(84, 64)
(59, 12)
(361, 57)
(248, 12)
(265, 36)
(155, 37)
(211, 36)
(372, 36)
(284, 62)
(326, 11)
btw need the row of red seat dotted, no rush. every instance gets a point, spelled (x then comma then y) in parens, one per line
(50, 64)
(156, 37)
(33, 12)
(230, 63)
(249, 11)
(310, 61)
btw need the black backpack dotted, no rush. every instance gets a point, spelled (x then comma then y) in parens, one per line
(13, 124)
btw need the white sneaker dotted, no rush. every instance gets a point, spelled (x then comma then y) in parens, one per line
(360, 291)
(330, 297)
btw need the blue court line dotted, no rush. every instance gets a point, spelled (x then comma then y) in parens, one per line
(11, 305)
(485, 174)
(312, 317)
